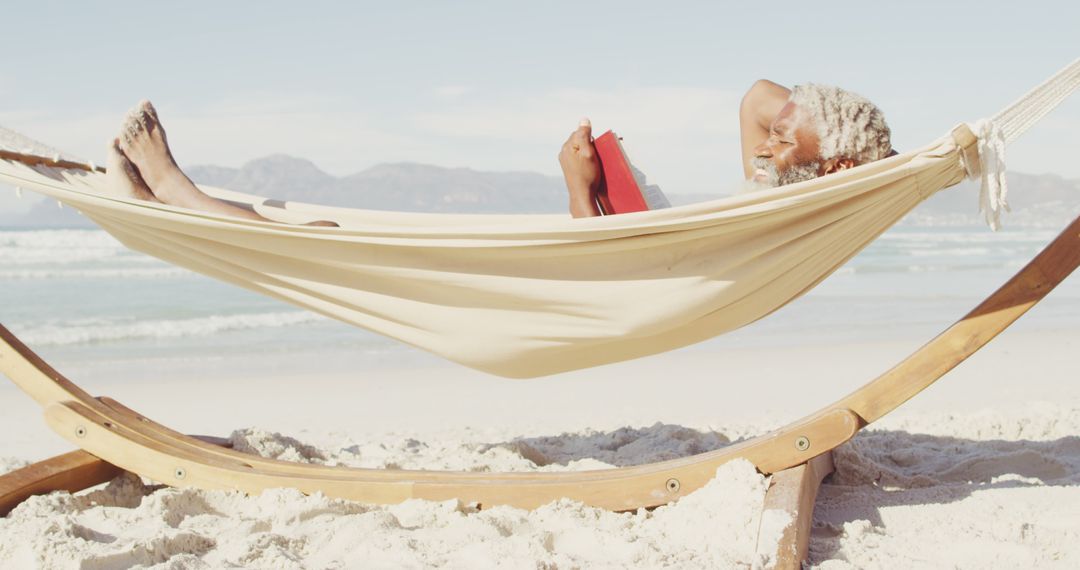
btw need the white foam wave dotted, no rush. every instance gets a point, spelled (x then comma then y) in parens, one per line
(104, 330)
(977, 237)
(928, 268)
(955, 251)
(35, 247)
(106, 273)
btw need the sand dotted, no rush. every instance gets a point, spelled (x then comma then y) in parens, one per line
(980, 471)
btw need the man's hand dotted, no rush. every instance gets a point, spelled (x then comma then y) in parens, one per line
(581, 169)
(759, 107)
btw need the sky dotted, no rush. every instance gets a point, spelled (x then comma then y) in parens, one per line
(499, 85)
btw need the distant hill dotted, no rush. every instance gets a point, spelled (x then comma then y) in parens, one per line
(401, 186)
(1038, 200)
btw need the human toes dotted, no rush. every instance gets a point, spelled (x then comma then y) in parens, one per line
(114, 157)
(126, 164)
(143, 117)
(124, 178)
(132, 129)
(147, 107)
(148, 116)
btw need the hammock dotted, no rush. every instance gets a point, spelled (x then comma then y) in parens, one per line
(530, 295)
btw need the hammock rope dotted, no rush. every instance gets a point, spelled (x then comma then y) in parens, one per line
(1005, 127)
(1015, 119)
(530, 295)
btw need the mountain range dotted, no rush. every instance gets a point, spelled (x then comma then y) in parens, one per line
(1037, 200)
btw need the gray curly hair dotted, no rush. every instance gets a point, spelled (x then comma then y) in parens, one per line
(849, 125)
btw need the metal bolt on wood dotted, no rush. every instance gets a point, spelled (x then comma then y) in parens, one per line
(802, 443)
(180, 473)
(80, 431)
(673, 485)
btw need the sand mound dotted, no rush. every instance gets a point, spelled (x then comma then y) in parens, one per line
(986, 490)
(129, 523)
(1004, 486)
(10, 464)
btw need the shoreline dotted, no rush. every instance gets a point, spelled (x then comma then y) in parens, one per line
(714, 386)
(989, 453)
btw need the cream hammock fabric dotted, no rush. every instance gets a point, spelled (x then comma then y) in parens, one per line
(524, 295)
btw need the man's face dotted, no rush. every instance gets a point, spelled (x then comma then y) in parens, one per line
(792, 152)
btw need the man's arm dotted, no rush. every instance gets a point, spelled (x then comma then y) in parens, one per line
(759, 107)
(581, 169)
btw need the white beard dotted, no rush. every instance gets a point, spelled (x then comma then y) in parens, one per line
(774, 177)
(799, 173)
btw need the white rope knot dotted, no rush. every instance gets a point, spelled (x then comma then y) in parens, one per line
(991, 170)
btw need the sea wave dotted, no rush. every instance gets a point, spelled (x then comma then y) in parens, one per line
(104, 273)
(977, 265)
(91, 331)
(61, 247)
(975, 237)
(957, 252)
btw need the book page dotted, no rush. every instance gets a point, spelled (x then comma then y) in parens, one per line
(651, 192)
(654, 197)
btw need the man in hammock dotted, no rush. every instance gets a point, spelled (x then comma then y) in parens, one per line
(787, 136)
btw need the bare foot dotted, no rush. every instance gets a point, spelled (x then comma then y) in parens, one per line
(143, 141)
(124, 179)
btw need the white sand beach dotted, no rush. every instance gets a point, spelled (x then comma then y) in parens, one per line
(981, 470)
(384, 110)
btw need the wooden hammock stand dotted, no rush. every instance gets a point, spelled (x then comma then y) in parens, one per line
(113, 437)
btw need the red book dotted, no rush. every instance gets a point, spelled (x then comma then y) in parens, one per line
(622, 187)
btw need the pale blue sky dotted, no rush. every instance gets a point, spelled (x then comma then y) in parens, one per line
(498, 85)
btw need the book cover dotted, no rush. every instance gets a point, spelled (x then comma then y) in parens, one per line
(622, 187)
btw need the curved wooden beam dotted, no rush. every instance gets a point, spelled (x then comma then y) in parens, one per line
(73, 471)
(789, 500)
(182, 462)
(953, 346)
(133, 442)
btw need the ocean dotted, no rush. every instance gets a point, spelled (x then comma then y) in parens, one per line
(78, 296)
